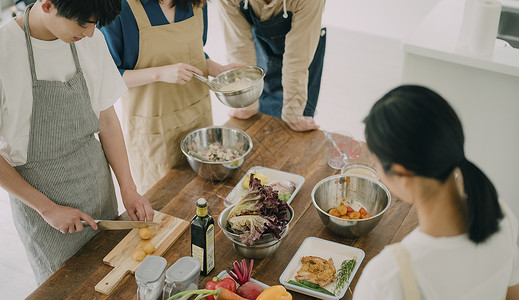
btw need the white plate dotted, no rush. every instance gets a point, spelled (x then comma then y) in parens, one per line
(272, 175)
(313, 246)
(224, 274)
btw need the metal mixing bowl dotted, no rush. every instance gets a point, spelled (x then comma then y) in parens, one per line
(249, 78)
(361, 190)
(265, 246)
(200, 139)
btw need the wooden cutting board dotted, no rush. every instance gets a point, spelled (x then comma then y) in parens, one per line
(121, 256)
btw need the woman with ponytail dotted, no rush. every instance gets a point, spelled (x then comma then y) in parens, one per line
(465, 244)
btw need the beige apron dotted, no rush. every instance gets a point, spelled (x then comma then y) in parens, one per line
(157, 116)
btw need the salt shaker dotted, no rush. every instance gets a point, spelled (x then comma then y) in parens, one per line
(181, 276)
(150, 277)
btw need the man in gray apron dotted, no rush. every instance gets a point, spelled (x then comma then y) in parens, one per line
(67, 164)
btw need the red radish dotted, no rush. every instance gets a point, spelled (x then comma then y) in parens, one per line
(249, 290)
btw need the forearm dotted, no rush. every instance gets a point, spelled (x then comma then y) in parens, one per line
(112, 140)
(13, 183)
(134, 78)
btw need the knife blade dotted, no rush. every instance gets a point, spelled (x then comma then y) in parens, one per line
(118, 225)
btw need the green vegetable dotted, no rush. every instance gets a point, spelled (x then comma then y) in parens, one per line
(344, 273)
(284, 196)
(311, 286)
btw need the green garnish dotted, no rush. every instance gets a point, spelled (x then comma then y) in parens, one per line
(311, 286)
(344, 273)
(284, 196)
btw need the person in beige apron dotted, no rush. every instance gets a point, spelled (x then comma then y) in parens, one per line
(66, 177)
(158, 113)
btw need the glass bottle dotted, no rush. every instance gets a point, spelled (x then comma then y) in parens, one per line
(202, 237)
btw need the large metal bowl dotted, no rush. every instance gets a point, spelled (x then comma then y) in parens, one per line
(265, 246)
(200, 139)
(363, 190)
(249, 81)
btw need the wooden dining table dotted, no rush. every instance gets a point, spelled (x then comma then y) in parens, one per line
(276, 147)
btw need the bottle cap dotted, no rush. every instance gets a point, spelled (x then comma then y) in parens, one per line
(201, 202)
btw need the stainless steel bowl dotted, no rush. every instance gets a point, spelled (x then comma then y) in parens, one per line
(363, 190)
(200, 140)
(265, 246)
(250, 81)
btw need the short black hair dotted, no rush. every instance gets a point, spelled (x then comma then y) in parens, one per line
(102, 12)
(415, 127)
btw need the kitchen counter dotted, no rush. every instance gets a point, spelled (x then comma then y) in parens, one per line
(275, 146)
(437, 38)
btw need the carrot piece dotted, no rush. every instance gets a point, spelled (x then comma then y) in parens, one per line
(345, 217)
(225, 294)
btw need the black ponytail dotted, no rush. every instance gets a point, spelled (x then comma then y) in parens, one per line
(415, 127)
(483, 211)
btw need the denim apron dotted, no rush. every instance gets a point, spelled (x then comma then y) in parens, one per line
(65, 162)
(158, 115)
(269, 42)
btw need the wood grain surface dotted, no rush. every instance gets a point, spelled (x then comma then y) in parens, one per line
(276, 147)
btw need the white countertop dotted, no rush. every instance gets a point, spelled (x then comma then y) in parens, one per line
(437, 37)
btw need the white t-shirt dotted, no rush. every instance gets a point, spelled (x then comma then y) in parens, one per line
(54, 61)
(448, 267)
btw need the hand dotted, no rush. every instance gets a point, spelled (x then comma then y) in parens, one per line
(67, 219)
(177, 73)
(138, 207)
(304, 124)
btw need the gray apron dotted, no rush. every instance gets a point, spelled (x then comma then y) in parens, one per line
(66, 163)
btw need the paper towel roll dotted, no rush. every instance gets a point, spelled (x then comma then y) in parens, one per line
(483, 32)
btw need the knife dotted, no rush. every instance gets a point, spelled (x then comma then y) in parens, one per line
(116, 225)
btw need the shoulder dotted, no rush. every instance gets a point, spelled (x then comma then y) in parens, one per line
(308, 5)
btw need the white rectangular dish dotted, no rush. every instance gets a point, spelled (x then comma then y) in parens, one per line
(313, 246)
(272, 175)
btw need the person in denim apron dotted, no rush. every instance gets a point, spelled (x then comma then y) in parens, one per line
(289, 45)
(65, 177)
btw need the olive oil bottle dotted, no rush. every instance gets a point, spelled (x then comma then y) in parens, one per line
(202, 237)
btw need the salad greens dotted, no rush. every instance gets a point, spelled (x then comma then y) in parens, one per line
(311, 286)
(284, 196)
(259, 211)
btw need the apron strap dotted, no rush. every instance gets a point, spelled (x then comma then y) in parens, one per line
(407, 277)
(30, 53)
(140, 14)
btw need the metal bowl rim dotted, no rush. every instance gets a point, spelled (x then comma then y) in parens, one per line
(240, 91)
(217, 162)
(380, 184)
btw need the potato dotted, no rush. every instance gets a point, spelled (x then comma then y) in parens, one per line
(342, 209)
(139, 255)
(148, 248)
(145, 233)
(335, 212)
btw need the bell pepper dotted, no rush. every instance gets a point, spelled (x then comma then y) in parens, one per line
(226, 283)
(275, 292)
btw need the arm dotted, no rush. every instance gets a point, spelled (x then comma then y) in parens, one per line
(177, 73)
(513, 292)
(237, 33)
(111, 137)
(300, 46)
(63, 218)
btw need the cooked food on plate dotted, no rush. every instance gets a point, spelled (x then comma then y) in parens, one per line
(316, 270)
